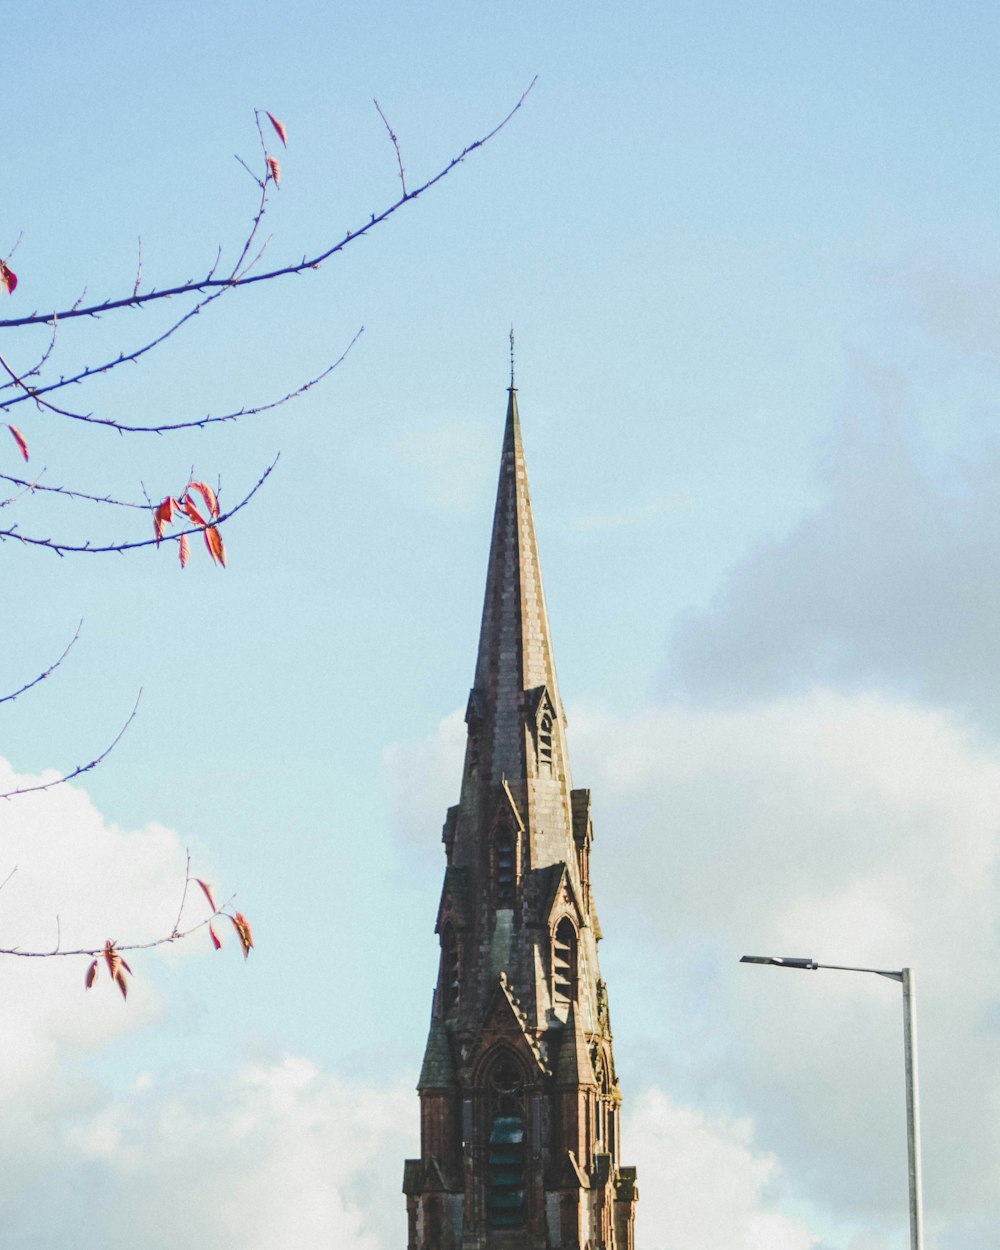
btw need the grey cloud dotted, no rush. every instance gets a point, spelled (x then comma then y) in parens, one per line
(892, 582)
(957, 308)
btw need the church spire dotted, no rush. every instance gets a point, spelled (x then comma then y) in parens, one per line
(515, 648)
(518, 1092)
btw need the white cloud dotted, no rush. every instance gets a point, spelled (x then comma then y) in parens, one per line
(279, 1154)
(77, 880)
(853, 829)
(101, 882)
(422, 776)
(702, 1185)
(274, 1153)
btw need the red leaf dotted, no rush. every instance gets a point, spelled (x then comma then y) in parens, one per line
(112, 958)
(8, 278)
(242, 927)
(274, 165)
(216, 940)
(91, 974)
(207, 891)
(279, 129)
(19, 439)
(163, 515)
(191, 508)
(184, 550)
(117, 967)
(206, 492)
(216, 547)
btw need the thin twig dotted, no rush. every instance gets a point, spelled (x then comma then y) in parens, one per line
(9, 698)
(32, 487)
(138, 272)
(94, 951)
(395, 144)
(81, 768)
(184, 893)
(234, 273)
(36, 368)
(198, 423)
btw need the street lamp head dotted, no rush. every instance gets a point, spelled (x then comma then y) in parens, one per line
(780, 962)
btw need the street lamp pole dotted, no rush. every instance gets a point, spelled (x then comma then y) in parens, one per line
(906, 978)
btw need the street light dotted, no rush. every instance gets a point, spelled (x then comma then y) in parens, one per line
(905, 977)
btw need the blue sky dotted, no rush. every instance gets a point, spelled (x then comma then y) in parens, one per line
(752, 259)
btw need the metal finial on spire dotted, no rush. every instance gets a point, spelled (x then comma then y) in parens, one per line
(512, 355)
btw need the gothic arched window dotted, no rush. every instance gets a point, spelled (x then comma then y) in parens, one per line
(507, 1159)
(564, 961)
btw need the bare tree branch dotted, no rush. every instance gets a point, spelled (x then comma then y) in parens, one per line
(17, 379)
(67, 548)
(307, 262)
(176, 934)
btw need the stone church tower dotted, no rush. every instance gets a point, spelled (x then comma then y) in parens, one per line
(519, 1099)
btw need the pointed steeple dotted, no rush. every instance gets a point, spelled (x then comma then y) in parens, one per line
(519, 1104)
(515, 648)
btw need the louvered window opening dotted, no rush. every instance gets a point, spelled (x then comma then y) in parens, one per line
(505, 1177)
(505, 870)
(545, 739)
(564, 962)
(449, 968)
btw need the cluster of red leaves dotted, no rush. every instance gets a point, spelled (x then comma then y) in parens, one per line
(164, 513)
(119, 970)
(237, 919)
(273, 164)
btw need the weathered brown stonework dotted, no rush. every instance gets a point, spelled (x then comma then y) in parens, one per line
(519, 1099)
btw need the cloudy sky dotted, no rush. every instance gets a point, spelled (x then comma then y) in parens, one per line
(751, 251)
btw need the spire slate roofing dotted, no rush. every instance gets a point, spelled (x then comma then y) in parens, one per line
(515, 650)
(437, 1071)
